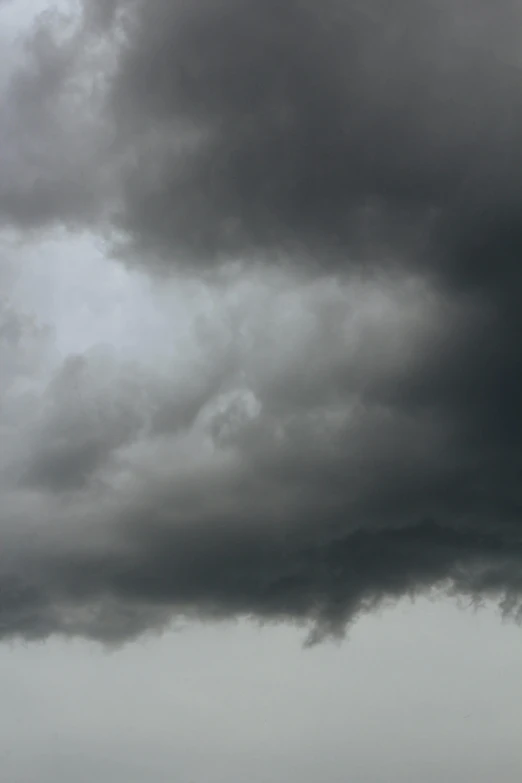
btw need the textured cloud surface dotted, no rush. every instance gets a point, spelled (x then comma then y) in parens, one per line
(344, 425)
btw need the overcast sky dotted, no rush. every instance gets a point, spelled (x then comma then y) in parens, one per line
(260, 383)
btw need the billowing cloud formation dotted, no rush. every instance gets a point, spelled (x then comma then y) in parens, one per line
(215, 128)
(301, 466)
(348, 428)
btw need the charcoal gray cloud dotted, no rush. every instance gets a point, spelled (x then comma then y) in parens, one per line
(296, 127)
(350, 428)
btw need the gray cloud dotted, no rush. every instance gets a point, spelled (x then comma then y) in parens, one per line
(304, 485)
(356, 435)
(53, 136)
(325, 130)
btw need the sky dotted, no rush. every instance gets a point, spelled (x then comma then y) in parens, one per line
(260, 383)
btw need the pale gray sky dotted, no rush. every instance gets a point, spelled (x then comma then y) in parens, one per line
(423, 692)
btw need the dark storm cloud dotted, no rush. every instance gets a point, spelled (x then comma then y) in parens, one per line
(303, 485)
(299, 127)
(320, 129)
(359, 436)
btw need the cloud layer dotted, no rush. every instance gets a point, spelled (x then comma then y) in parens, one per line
(346, 426)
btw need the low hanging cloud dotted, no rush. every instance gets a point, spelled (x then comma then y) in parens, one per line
(346, 428)
(293, 470)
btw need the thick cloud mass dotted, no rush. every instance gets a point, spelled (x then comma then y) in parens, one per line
(349, 427)
(299, 127)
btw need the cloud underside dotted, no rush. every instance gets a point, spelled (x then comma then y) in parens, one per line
(349, 428)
